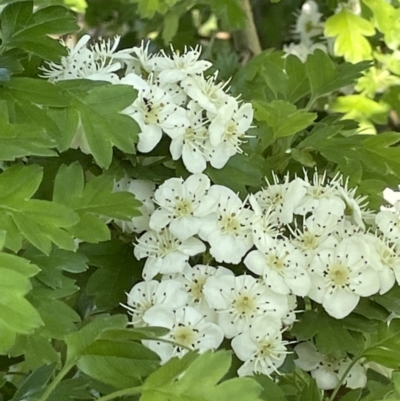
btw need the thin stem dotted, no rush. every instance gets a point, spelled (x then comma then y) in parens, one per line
(121, 393)
(61, 374)
(341, 380)
(246, 40)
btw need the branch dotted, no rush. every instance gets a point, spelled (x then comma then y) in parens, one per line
(246, 40)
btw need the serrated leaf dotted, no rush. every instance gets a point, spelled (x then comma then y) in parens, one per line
(17, 315)
(168, 382)
(102, 123)
(325, 77)
(21, 28)
(350, 31)
(92, 202)
(283, 117)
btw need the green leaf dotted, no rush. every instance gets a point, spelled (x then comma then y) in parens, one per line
(19, 140)
(350, 31)
(115, 275)
(102, 123)
(26, 30)
(352, 395)
(40, 222)
(271, 391)
(92, 202)
(78, 342)
(17, 315)
(170, 28)
(297, 84)
(325, 77)
(120, 364)
(36, 91)
(283, 117)
(311, 392)
(168, 383)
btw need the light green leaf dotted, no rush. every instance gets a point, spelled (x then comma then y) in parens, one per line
(350, 31)
(170, 28)
(168, 383)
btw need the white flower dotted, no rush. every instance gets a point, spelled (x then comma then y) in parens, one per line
(143, 191)
(142, 59)
(82, 62)
(315, 233)
(154, 110)
(324, 369)
(231, 123)
(182, 204)
(308, 22)
(193, 280)
(165, 253)
(191, 142)
(188, 330)
(327, 370)
(321, 197)
(206, 92)
(389, 223)
(341, 275)
(146, 294)
(228, 230)
(282, 198)
(303, 50)
(240, 300)
(281, 266)
(261, 348)
(177, 67)
(290, 316)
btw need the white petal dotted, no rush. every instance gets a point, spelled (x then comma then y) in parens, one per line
(309, 358)
(192, 246)
(149, 138)
(340, 302)
(244, 346)
(367, 283)
(185, 227)
(159, 219)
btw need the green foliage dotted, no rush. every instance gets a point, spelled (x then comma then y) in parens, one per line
(27, 30)
(92, 202)
(349, 31)
(167, 383)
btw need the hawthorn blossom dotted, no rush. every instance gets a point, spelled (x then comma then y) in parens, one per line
(143, 191)
(308, 23)
(261, 348)
(241, 300)
(341, 275)
(321, 197)
(175, 68)
(389, 223)
(191, 142)
(281, 267)
(82, 62)
(188, 330)
(146, 294)
(210, 95)
(327, 370)
(193, 280)
(284, 197)
(228, 229)
(154, 110)
(165, 253)
(182, 205)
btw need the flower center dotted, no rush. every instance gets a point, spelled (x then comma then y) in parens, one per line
(185, 336)
(184, 207)
(275, 262)
(196, 287)
(230, 224)
(245, 304)
(339, 274)
(265, 348)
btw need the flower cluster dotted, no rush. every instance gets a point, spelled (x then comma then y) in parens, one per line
(204, 123)
(294, 238)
